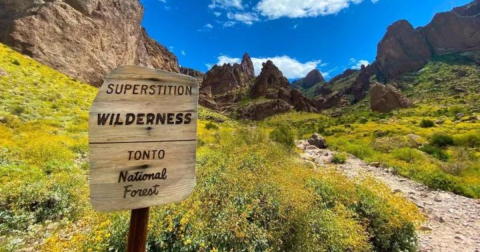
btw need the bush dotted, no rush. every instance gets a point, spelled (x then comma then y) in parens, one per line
(408, 155)
(339, 158)
(425, 123)
(441, 140)
(435, 152)
(210, 126)
(283, 135)
(471, 140)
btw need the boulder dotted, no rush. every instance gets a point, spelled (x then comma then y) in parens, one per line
(385, 98)
(318, 141)
(84, 39)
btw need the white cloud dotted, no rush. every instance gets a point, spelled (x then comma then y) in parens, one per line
(229, 24)
(217, 14)
(206, 28)
(274, 9)
(226, 4)
(246, 17)
(184, 53)
(357, 64)
(163, 1)
(291, 68)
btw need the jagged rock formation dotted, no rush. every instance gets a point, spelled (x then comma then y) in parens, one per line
(194, 73)
(361, 86)
(385, 98)
(271, 84)
(403, 49)
(84, 39)
(225, 85)
(223, 79)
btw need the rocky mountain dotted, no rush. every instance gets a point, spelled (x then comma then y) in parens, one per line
(84, 39)
(405, 49)
(310, 83)
(234, 89)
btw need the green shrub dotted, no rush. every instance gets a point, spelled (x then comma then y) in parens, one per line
(435, 152)
(471, 140)
(408, 155)
(339, 158)
(16, 62)
(425, 123)
(441, 140)
(210, 126)
(283, 135)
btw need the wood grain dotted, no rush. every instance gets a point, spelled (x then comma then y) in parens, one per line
(119, 151)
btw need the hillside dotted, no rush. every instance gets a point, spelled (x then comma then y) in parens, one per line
(252, 193)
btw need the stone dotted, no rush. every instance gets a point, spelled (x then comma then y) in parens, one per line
(375, 164)
(3, 119)
(385, 98)
(426, 228)
(318, 141)
(440, 121)
(84, 39)
(459, 90)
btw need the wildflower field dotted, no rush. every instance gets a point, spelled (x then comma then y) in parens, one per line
(253, 192)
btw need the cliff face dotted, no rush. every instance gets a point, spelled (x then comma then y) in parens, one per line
(404, 49)
(84, 39)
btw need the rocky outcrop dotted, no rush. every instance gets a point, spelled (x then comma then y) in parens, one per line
(193, 73)
(226, 78)
(361, 86)
(263, 109)
(332, 100)
(312, 78)
(403, 49)
(84, 39)
(271, 84)
(455, 31)
(318, 141)
(385, 98)
(347, 73)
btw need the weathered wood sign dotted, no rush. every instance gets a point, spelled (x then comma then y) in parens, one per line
(142, 128)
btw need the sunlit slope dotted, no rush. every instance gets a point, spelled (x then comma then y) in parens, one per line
(251, 194)
(435, 142)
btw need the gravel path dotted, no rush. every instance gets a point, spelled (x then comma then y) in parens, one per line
(453, 220)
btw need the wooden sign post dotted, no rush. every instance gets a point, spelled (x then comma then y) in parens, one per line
(142, 135)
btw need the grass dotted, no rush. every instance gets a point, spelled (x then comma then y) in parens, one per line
(252, 193)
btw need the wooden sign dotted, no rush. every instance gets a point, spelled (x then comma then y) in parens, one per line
(143, 126)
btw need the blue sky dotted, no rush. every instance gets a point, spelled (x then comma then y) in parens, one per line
(298, 35)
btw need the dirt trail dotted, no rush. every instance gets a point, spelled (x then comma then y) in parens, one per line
(453, 220)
